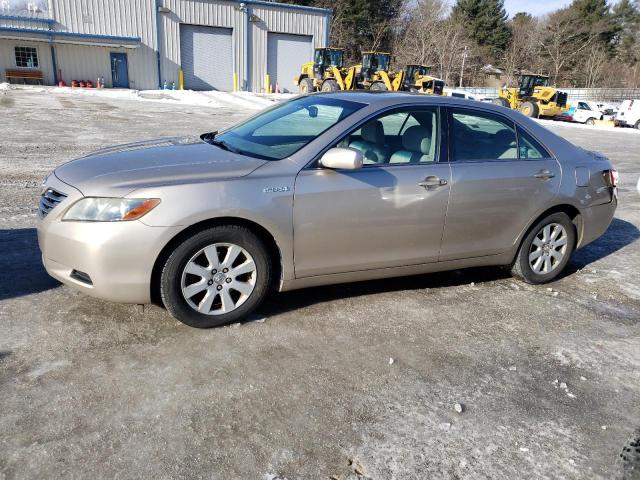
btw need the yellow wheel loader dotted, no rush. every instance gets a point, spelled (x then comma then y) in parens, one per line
(326, 72)
(534, 97)
(417, 78)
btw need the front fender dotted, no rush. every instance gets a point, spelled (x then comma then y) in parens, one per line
(251, 199)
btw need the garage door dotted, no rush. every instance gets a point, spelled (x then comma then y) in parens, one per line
(206, 55)
(285, 54)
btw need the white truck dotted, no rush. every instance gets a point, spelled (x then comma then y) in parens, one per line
(629, 114)
(588, 112)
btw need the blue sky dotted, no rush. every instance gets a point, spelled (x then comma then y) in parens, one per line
(535, 7)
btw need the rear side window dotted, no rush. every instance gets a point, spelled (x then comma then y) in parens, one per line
(482, 136)
(529, 147)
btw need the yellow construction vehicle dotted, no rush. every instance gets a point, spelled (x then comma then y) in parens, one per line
(534, 97)
(326, 72)
(417, 78)
(371, 74)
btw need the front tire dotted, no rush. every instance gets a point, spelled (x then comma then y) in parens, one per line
(503, 102)
(546, 249)
(306, 86)
(590, 121)
(216, 277)
(530, 109)
(330, 85)
(378, 87)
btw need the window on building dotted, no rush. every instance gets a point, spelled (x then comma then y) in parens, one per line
(26, 57)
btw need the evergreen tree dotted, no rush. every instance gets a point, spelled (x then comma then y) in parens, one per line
(626, 15)
(486, 22)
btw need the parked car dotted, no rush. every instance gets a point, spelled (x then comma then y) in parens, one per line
(588, 112)
(449, 92)
(321, 189)
(629, 114)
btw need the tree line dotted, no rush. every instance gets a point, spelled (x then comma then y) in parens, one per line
(590, 43)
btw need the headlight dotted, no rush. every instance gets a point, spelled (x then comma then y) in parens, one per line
(92, 209)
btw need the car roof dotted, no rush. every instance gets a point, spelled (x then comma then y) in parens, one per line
(389, 98)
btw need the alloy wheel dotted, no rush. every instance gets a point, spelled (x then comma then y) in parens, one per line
(548, 248)
(218, 278)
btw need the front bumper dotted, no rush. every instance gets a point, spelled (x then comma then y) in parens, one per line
(117, 256)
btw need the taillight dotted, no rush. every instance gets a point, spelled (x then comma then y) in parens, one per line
(611, 177)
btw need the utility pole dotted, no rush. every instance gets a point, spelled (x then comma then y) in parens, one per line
(464, 57)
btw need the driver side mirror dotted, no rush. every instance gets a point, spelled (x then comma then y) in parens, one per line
(342, 159)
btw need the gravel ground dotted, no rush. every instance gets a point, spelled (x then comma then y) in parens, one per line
(548, 377)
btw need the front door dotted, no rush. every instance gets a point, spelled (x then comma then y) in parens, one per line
(119, 70)
(389, 213)
(501, 179)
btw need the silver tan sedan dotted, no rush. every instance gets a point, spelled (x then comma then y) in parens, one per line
(322, 189)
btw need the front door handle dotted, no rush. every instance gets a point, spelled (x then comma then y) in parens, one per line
(544, 175)
(432, 182)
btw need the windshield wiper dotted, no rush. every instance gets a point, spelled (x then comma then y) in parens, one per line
(224, 145)
(211, 139)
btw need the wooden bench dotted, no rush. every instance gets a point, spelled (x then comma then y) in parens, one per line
(24, 75)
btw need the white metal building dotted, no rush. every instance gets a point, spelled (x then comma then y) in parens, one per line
(142, 44)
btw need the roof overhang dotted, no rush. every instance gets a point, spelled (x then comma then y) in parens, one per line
(53, 36)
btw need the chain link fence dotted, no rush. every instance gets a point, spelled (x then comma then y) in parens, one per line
(575, 94)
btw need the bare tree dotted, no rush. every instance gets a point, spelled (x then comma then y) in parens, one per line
(426, 35)
(562, 39)
(522, 52)
(593, 65)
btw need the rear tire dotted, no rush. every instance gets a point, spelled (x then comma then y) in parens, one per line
(330, 85)
(503, 102)
(545, 251)
(530, 109)
(638, 124)
(378, 87)
(188, 277)
(306, 86)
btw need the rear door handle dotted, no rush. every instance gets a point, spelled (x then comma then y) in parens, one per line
(544, 175)
(433, 182)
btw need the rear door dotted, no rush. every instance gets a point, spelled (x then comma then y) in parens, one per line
(501, 178)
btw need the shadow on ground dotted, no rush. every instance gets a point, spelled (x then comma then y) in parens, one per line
(620, 234)
(21, 269)
(22, 273)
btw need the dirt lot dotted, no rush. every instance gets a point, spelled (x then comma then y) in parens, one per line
(549, 380)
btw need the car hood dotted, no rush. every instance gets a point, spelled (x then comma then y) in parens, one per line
(121, 169)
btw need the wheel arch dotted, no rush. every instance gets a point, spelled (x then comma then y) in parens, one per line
(572, 212)
(265, 235)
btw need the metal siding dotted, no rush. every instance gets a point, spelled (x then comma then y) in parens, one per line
(285, 54)
(280, 20)
(7, 57)
(128, 18)
(136, 18)
(206, 57)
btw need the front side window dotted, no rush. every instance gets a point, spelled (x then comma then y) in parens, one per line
(283, 130)
(482, 136)
(26, 57)
(401, 137)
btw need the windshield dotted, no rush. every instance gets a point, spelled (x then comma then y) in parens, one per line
(328, 57)
(283, 130)
(379, 61)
